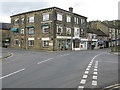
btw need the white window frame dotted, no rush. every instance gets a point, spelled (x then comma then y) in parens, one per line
(31, 19)
(46, 16)
(31, 42)
(22, 31)
(22, 21)
(68, 31)
(45, 44)
(16, 21)
(16, 42)
(45, 27)
(61, 31)
(68, 18)
(59, 16)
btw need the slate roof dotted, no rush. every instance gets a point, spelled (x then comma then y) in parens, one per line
(5, 26)
(47, 9)
(95, 31)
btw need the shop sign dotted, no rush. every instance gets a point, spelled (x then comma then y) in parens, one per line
(51, 44)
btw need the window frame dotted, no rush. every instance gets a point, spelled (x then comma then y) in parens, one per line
(44, 15)
(45, 44)
(59, 16)
(31, 19)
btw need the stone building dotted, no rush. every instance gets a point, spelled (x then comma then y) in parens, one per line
(5, 34)
(48, 29)
(112, 31)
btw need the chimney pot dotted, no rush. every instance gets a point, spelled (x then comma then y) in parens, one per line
(71, 9)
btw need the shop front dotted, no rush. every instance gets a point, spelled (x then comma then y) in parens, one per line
(63, 43)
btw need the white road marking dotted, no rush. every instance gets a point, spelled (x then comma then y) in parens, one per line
(83, 81)
(86, 72)
(95, 69)
(65, 54)
(112, 86)
(45, 60)
(91, 62)
(95, 73)
(94, 83)
(80, 86)
(94, 77)
(89, 66)
(88, 69)
(85, 76)
(12, 73)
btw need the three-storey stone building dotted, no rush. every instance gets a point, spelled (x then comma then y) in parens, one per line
(47, 29)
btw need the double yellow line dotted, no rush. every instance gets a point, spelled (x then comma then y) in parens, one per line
(112, 87)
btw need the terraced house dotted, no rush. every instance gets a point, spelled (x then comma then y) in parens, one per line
(48, 29)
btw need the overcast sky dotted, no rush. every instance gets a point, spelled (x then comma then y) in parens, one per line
(93, 9)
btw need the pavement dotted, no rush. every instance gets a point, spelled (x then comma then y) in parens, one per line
(76, 69)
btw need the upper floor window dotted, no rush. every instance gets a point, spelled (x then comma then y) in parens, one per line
(68, 18)
(31, 19)
(22, 31)
(16, 21)
(82, 21)
(68, 31)
(59, 30)
(81, 31)
(45, 17)
(31, 30)
(76, 20)
(22, 21)
(45, 29)
(59, 16)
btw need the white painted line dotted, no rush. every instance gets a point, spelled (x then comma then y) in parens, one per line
(94, 83)
(85, 76)
(91, 62)
(80, 86)
(89, 66)
(65, 54)
(95, 73)
(94, 77)
(86, 72)
(83, 81)
(12, 73)
(88, 69)
(45, 60)
(95, 69)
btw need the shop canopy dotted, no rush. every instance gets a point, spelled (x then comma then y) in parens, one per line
(14, 29)
(45, 25)
(30, 27)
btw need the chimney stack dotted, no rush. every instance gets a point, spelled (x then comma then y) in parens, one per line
(71, 9)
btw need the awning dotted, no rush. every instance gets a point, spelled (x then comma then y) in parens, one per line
(14, 29)
(45, 25)
(30, 27)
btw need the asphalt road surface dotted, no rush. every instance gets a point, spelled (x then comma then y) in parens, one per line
(68, 69)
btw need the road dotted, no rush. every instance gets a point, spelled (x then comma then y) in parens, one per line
(68, 69)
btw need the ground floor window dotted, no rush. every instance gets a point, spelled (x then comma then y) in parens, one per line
(67, 43)
(30, 42)
(16, 42)
(45, 44)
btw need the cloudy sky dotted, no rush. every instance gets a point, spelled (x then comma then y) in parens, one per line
(93, 9)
